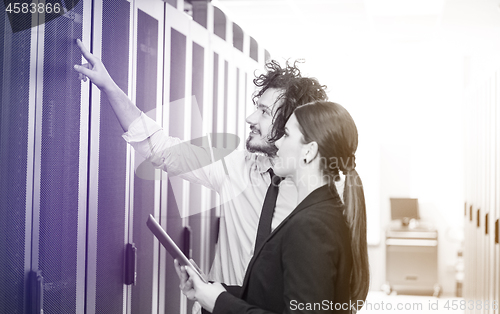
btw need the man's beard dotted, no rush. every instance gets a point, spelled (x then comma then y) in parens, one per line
(268, 149)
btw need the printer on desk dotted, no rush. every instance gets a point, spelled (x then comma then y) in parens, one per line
(411, 251)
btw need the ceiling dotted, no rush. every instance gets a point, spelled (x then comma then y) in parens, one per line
(293, 27)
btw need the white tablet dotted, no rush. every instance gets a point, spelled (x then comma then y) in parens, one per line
(171, 247)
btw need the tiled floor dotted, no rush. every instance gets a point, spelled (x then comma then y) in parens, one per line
(378, 303)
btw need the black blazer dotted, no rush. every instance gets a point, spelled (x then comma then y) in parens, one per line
(304, 266)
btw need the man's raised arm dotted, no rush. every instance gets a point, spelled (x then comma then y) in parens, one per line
(164, 152)
(124, 108)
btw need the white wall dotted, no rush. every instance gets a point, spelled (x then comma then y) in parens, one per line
(402, 76)
(407, 104)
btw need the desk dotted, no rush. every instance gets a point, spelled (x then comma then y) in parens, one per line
(411, 260)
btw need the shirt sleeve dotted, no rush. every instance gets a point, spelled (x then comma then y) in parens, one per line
(179, 158)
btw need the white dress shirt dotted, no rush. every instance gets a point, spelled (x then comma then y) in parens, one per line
(241, 180)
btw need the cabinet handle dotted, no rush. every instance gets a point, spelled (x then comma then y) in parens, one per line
(496, 232)
(130, 264)
(187, 242)
(217, 229)
(36, 292)
(486, 222)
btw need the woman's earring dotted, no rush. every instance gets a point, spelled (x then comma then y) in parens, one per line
(305, 161)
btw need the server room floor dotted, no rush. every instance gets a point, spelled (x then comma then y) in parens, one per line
(379, 302)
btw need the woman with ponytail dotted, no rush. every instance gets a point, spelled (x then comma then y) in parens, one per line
(332, 127)
(316, 260)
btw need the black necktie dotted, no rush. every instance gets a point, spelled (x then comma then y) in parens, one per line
(266, 216)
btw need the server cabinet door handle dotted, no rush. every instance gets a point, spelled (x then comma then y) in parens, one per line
(217, 229)
(130, 264)
(36, 292)
(187, 242)
(486, 223)
(496, 232)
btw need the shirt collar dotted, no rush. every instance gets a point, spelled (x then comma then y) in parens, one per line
(261, 162)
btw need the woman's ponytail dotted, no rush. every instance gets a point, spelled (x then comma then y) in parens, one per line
(355, 214)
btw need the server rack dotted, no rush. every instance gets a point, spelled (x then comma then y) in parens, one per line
(73, 237)
(17, 78)
(482, 206)
(44, 144)
(149, 34)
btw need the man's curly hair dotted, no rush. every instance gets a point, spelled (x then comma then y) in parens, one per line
(297, 91)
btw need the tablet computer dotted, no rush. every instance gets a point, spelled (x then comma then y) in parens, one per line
(171, 247)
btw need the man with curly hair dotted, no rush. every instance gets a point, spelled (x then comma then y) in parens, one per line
(243, 179)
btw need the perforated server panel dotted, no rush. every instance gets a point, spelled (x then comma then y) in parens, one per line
(195, 191)
(198, 66)
(59, 165)
(147, 67)
(109, 288)
(176, 128)
(481, 249)
(214, 219)
(15, 57)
